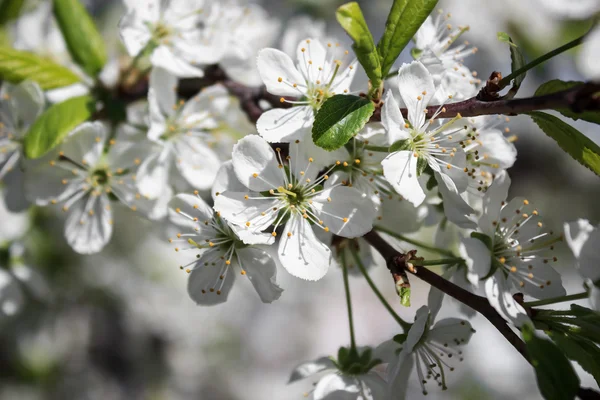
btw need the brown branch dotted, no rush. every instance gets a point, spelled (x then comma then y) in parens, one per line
(396, 261)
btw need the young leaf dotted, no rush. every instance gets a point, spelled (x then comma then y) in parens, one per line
(9, 10)
(517, 61)
(579, 146)
(55, 123)
(83, 39)
(404, 20)
(351, 19)
(17, 66)
(555, 375)
(339, 119)
(557, 85)
(582, 350)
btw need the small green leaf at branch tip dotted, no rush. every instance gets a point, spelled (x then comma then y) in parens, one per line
(557, 85)
(573, 142)
(404, 20)
(352, 20)
(55, 123)
(517, 62)
(555, 375)
(17, 66)
(84, 42)
(404, 293)
(339, 119)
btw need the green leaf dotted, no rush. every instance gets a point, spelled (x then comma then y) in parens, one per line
(10, 9)
(404, 293)
(579, 146)
(351, 19)
(517, 62)
(83, 39)
(557, 85)
(555, 375)
(54, 124)
(584, 351)
(339, 119)
(17, 66)
(404, 20)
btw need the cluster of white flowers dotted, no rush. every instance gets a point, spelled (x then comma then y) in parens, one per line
(250, 200)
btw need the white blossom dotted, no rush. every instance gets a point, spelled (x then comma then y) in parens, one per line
(518, 256)
(425, 142)
(583, 238)
(292, 195)
(337, 385)
(20, 105)
(18, 281)
(181, 132)
(437, 49)
(435, 350)
(319, 72)
(84, 179)
(175, 34)
(221, 253)
(587, 57)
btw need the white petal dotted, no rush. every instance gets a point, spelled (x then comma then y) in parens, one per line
(387, 351)
(589, 258)
(414, 82)
(11, 295)
(451, 331)
(274, 64)
(499, 296)
(206, 276)
(27, 101)
(577, 234)
(456, 208)
(262, 272)
(285, 125)
(43, 182)
(89, 224)
(401, 216)
(400, 170)
(417, 329)
(196, 162)
(492, 202)
(306, 149)
(349, 205)
(310, 368)
(301, 253)
(336, 387)
(426, 35)
(256, 165)
(184, 207)
(477, 257)
(247, 213)
(249, 236)
(85, 143)
(496, 149)
(373, 386)
(392, 119)
(542, 274)
(436, 296)
(166, 58)
(587, 58)
(164, 86)
(134, 33)
(153, 175)
(226, 180)
(317, 55)
(61, 94)
(399, 372)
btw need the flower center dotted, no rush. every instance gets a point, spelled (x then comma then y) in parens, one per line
(100, 176)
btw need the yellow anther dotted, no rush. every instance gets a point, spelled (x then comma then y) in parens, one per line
(345, 219)
(279, 79)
